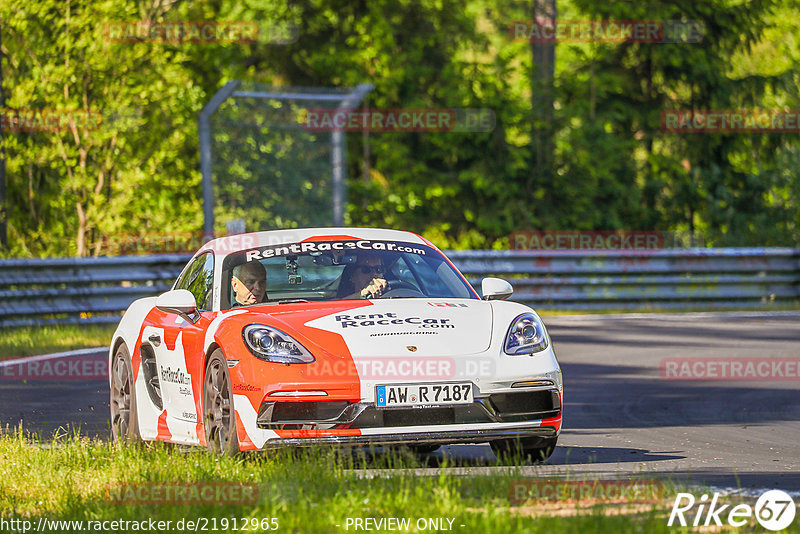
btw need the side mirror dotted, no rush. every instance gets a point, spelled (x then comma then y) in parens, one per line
(495, 289)
(179, 301)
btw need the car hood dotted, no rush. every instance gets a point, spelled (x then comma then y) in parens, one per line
(393, 327)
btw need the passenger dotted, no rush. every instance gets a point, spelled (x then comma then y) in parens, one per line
(249, 283)
(363, 279)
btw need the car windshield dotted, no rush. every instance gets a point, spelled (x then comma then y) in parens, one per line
(338, 270)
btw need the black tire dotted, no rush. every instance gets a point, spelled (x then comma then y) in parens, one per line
(219, 419)
(122, 401)
(535, 450)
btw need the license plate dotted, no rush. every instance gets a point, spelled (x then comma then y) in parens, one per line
(423, 395)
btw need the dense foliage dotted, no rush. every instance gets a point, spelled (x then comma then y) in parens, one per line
(611, 165)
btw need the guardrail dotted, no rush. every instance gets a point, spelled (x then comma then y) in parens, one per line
(663, 278)
(99, 289)
(90, 290)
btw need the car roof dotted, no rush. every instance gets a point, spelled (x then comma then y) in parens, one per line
(223, 246)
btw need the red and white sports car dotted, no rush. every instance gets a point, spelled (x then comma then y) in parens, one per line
(335, 335)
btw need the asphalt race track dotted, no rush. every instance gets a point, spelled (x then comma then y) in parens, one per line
(620, 416)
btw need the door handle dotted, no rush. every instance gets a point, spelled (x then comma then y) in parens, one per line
(155, 339)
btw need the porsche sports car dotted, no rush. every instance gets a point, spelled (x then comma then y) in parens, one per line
(351, 336)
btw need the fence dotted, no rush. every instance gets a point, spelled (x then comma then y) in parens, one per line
(666, 278)
(261, 166)
(99, 289)
(81, 289)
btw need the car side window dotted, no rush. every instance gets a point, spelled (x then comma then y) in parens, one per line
(402, 272)
(436, 278)
(198, 278)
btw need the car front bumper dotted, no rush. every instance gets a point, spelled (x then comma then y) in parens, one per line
(445, 434)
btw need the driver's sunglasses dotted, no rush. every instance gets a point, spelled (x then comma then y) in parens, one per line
(379, 269)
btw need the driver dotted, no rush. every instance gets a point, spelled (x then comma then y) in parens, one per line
(364, 279)
(249, 283)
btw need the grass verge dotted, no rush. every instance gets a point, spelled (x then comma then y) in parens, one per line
(20, 341)
(306, 491)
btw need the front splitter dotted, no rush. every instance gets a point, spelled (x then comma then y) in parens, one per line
(442, 437)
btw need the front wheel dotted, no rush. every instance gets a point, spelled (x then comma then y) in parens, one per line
(535, 450)
(124, 420)
(219, 420)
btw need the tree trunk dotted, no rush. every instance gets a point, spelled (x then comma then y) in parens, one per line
(544, 59)
(81, 238)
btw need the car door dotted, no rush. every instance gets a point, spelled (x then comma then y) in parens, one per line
(177, 342)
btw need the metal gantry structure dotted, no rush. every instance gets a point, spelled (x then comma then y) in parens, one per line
(268, 110)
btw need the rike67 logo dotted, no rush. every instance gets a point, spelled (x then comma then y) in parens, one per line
(774, 510)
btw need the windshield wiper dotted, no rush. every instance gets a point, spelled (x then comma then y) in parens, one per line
(290, 301)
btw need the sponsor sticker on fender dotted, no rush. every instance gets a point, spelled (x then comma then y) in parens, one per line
(448, 305)
(245, 387)
(176, 376)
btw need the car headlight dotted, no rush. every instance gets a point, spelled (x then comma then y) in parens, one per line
(272, 345)
(525, 336)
